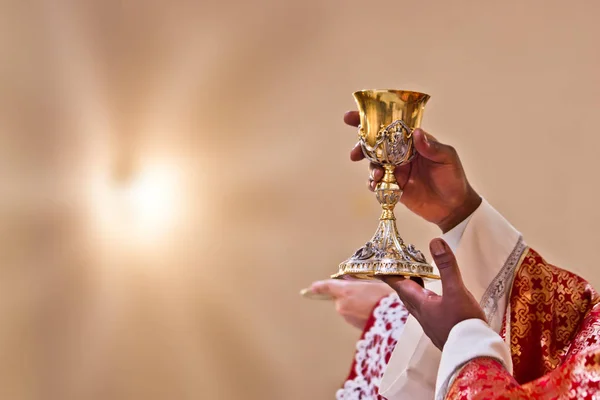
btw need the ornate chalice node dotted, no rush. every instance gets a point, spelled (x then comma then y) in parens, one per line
(387, 119)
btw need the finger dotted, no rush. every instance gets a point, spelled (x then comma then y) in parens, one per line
(371, 185)
(410, 292)
(332, 287)
(446, 262)
(428, 146)
(356, 154)
(402, 174)
(418, 280)
(375, 172)
(352, 118)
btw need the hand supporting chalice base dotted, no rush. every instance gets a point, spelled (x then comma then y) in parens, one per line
(387, 119)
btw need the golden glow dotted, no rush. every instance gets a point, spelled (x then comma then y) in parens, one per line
(150, 199)
(140, 211)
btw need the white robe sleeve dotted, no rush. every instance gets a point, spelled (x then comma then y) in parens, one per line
(469, 339)
(453, 236)
(488, 249)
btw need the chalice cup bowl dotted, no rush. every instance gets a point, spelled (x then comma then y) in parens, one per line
(387, 121)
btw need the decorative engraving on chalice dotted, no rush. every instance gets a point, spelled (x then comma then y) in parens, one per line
(416, 254)
(365, 252)
(385, 134)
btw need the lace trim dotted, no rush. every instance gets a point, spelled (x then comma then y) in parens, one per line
(375, 349)
(489, 301)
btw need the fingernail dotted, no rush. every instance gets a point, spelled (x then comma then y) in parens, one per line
(428, 139)
(438, 247)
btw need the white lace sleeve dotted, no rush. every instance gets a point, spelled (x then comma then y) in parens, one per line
(374, 350)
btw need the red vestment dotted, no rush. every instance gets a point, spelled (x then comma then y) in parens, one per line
(554, 327)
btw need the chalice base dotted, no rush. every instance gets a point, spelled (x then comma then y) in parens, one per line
(386, 254)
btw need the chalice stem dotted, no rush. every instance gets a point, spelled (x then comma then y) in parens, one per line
(388, 193)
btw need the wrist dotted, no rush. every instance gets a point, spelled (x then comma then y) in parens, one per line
(467, 207)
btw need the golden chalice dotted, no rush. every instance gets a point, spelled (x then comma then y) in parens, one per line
(387, 120)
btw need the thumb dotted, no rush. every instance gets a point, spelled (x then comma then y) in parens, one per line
(331, 287)
(446, 262)
(410, 292)
(428, 147)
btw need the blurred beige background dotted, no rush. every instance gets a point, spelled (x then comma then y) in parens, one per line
(173, 173)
